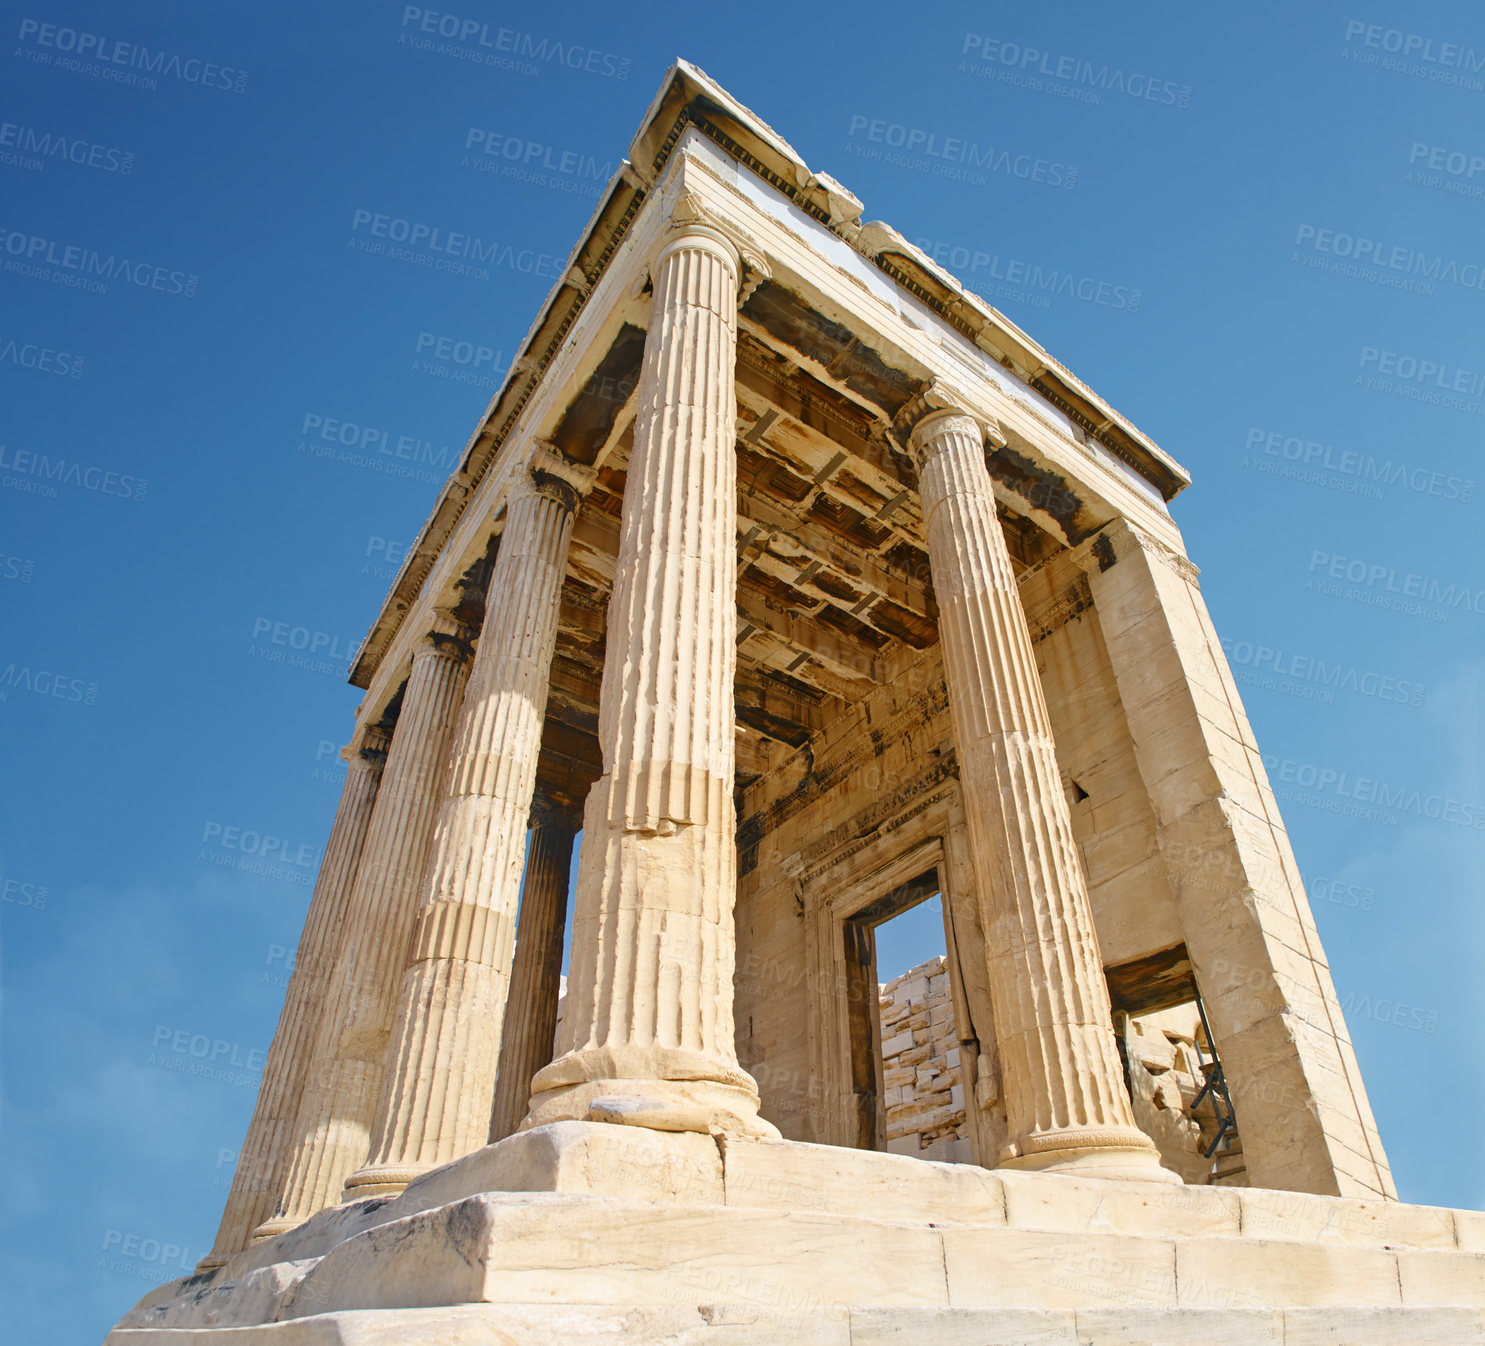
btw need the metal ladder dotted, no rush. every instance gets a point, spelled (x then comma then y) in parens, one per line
(1226, 1148)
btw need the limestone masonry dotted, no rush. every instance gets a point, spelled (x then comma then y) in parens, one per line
(805, 586)
(1168, 1063)
(923, 1096)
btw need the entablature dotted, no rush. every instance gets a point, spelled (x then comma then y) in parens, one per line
(841, 326)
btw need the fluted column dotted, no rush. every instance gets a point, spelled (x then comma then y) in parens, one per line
(435, 1103)
(333, 1124)
(647, 1036)
(1066, 1104)
(258, 1179)
(536, 974)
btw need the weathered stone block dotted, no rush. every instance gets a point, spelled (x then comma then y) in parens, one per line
(1469, 1228)
(531, 1248)
(1303, 1217)
(578, 1158)
(1383, 1327)
(1183, 1327)
(1023, 1269)
(1284, 1274)
(964, 1327)
(1442, 1277)
(1077, 1205)
(837, 1181)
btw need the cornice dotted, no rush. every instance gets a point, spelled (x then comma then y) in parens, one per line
(688, 98)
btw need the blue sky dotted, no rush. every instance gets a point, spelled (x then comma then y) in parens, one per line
(1329, 409)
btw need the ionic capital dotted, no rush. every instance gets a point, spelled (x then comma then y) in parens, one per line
(545, 813)
(692, 223)
(372, 744)
(936, 419)
(550, 473)
(446, 636)
(756, 270)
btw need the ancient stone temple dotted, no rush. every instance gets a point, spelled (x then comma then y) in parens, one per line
(804, 585)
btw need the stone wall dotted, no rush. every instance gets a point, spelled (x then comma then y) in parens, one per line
(1165, 1051)
(925, 1102)
(920, 1066)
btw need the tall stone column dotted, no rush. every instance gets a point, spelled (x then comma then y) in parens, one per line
(258, 1179)
(647, 1035)
(435, 1102)
(536, 975)
(1066, 1104)
(333, 1124)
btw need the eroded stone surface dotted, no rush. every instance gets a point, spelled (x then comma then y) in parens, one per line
(923, 1092)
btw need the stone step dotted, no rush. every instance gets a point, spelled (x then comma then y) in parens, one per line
(1183, 1327)
(835, 1180)
(588, 1213)
(748, 1325)
(500, 1248)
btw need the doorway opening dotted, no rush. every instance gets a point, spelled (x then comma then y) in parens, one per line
(905, 1076)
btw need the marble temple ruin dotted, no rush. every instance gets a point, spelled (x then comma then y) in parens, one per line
(805, 586)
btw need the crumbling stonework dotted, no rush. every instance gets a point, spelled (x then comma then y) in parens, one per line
(1168, 1061)
(920, 1066)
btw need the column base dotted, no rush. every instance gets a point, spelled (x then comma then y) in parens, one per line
(660, 1105)
(663, 1088)
(269, 1229)
(1121, 1153)
(381, 1180)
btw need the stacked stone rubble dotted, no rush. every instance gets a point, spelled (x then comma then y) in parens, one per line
(924, 1101)
(920, 1065)
(1167, 1051)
